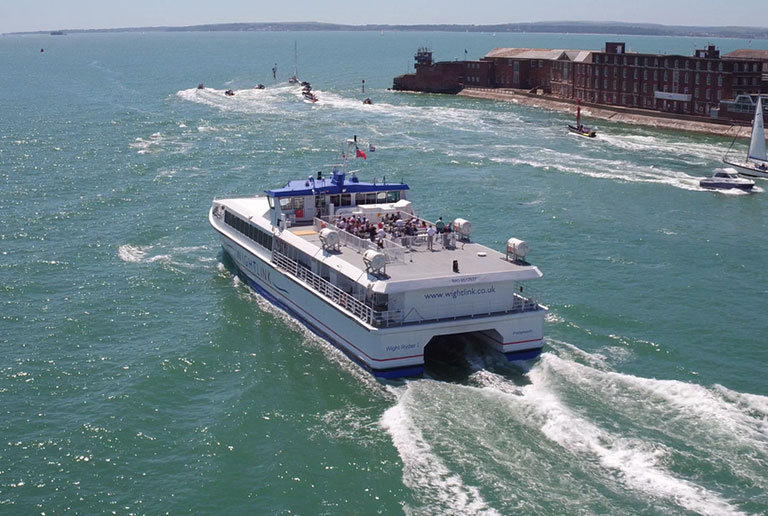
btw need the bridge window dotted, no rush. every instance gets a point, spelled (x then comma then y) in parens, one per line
(291, 203)
(393, 196)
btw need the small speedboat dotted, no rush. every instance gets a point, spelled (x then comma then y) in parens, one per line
(259, 86)
(201, 86)
(727, 179)
(368, 101)
(229, 93)
(581, 129)
(309, 96)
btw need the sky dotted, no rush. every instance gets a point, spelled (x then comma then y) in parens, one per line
(34, 15)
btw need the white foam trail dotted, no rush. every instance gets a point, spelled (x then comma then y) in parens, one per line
(643, 144)
(132, 254)
(175, 258)
(250, 100)
(546, 159)
(638, 463)
(158, 142)
(441, 491)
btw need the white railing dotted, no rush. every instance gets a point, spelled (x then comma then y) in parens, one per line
(394, 252)
(392, 318)
(346, 301)
(454, 311)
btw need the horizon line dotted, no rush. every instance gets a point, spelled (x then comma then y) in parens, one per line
(437, 27)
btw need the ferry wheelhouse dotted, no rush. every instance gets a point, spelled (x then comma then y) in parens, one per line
(353, 262)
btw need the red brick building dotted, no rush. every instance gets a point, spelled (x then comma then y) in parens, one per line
(431, 77)
(697, 85)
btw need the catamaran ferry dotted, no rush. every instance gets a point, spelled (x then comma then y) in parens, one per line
(353, 262)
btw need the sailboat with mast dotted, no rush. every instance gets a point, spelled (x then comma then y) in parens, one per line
(579, 128)
(756, 163)
(295, 78)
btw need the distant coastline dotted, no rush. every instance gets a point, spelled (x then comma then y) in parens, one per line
(572, 27)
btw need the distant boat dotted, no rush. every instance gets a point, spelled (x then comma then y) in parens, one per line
(229, 93)
(727, 179)
(756, 163)
(368, 101)
(579, 128)
(57, 33)
(295, 78)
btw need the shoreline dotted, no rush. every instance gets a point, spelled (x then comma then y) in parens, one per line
(623, 115)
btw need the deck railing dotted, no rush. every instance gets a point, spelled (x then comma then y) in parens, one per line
(394, 252)
(393, 318)
(346, 301)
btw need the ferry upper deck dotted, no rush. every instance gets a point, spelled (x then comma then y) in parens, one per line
(453, 260)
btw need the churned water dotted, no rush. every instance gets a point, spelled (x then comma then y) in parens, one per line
(138, 375)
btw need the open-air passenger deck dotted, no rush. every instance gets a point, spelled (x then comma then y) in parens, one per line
(419, 263)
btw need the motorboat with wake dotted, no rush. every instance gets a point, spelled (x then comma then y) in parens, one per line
(580, 129)
(306, 92)
(755, 163)
(727, 179)
(353, 262)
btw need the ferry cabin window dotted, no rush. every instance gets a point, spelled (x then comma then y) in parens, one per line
(291, 203)
(365, 198)
(256, 234)
(341, 200)
(271, 202)
(393, 196)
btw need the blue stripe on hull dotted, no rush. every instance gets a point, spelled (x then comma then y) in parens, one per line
(397, 372)
(526, 354)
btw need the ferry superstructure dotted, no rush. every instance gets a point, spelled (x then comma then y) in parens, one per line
(383, 295)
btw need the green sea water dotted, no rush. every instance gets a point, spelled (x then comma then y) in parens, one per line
(139, 375)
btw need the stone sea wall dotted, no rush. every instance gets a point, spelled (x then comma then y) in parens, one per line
(615, 114)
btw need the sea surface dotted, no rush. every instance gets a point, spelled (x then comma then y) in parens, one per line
(139, 375)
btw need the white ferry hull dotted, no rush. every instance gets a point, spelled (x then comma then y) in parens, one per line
(386, 352)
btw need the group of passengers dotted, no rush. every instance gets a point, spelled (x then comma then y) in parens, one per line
(393, 226)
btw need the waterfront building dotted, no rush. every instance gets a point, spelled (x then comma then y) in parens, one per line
(697, 85)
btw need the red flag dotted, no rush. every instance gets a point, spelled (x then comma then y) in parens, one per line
(361, 154)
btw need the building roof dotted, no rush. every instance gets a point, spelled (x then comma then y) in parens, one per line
(747, 53)
(557, 54)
